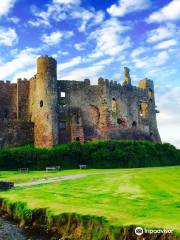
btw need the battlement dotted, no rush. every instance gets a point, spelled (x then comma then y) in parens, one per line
(6, 82)
(64, 111)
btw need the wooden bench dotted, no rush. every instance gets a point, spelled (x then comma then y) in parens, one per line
(23, 170)
(55, 168)
(82, 166)
(6, 185)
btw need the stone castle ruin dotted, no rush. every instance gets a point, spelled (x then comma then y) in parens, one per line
(50, 111)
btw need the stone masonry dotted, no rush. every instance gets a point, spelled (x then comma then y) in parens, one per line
(50, 111)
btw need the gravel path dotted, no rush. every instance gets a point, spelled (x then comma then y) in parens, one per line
(59, 179)
(50, 180)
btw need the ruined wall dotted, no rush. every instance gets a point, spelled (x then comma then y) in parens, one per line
(23, 100)
(65, 111)
(109, 110)
(8, 100)
(15, 132)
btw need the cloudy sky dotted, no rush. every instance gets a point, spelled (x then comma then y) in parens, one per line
(91, 38)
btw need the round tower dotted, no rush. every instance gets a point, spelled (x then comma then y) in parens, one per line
(46, 116)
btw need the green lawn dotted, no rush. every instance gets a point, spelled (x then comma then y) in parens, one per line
(147, 196)
(17, 177)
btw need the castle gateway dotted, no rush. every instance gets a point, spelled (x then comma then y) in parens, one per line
(50, 111)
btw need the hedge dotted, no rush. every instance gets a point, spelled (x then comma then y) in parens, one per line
(98, 154)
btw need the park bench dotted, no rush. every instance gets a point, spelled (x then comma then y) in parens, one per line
(55, 168)
(82, 166)
(23, 170)
(6, 185)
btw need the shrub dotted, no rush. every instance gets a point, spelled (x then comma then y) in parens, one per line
(102, 154)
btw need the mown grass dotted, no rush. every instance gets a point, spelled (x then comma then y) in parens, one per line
(18, 177)
(148, 197)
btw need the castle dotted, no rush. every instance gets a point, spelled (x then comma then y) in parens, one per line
(50, 111)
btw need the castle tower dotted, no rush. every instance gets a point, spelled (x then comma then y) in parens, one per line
(127, 78)
(148, 108)
(46, 115)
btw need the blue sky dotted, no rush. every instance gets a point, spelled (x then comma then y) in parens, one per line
(91, 38)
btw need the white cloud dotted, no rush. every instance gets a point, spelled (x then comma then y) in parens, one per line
(161, 33)
(127, 6)
(8, 37)
(138, 51)
(22, 61)
(71, 63)
(92, 72)
(66, 2)
(166, 44)
(87, 17)
(109, 39)
(79, 46)
(27, 73)
(80, 74)
(168, 119)
(6, 6)
(52, 39)
(60, 10)
(14, 19)
(55, 37)
(170, 12)
(152, 62)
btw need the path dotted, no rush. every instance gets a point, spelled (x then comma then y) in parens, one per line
(58, 179)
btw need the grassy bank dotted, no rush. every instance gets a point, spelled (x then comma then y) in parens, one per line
(103, 154)
(147, 197)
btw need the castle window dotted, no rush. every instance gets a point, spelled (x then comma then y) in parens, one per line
(144, 112)
(122, 122)
(150, 93)
(41, 103)
(63, 94)
(6, 113)
(134, 124)
(77, 117)
(114, 105)
(119, 121)
(62, 125)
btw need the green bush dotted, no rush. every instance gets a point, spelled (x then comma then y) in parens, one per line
(102, 154)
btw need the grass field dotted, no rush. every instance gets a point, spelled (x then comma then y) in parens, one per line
(147, 196)
(17, 177)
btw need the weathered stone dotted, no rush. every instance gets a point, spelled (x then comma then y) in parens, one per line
(65, 111)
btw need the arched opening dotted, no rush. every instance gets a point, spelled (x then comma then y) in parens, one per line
(77, 139)
(41, 103)
(114, 105)
(122, 122)
(77, 117)
(150, 93)
(6, 113)
(119, 121)
(144, 109)
(134, 124)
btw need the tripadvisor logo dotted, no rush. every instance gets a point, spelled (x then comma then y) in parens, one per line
(139, 231)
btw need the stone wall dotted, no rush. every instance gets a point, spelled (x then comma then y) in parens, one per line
(8, 100)
(109, 110)
(65, 111)
(13, 133)
(23, 100)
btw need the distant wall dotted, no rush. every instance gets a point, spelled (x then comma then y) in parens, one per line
(23, 100)
(8, 100)
(15, 133)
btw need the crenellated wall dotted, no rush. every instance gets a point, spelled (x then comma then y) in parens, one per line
(67, 110)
